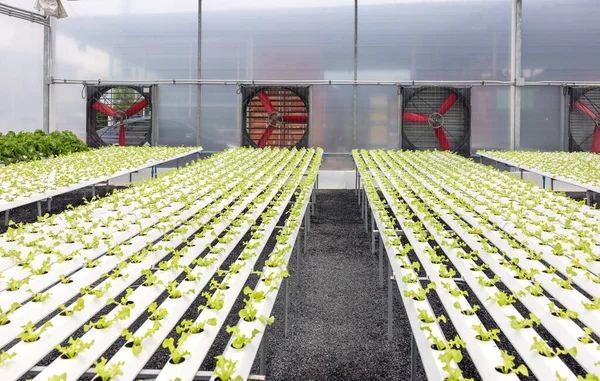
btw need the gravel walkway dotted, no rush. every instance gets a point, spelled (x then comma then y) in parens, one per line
(338, 315)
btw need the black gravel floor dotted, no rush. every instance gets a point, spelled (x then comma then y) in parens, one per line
(338, 317)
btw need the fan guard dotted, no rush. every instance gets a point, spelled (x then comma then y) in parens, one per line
(436, 118)
(584, 120)
(275, 116)
(119, 115)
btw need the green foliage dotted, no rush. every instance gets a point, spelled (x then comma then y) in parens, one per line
(108, 373)
(225, 369)
(508, 365)
(74, 348)
(27, 146)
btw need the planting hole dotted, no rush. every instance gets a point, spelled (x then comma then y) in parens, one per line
(129, 344)
(435, 348)
(180, 361)
(499, 370)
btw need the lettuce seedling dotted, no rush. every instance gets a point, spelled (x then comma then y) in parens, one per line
(98, 293)
(515, 323)
(240, 340)
(426, 318)
(5, 356)
(156, 313)
(484, 335)
(420, 293)
(16, 284)
(468, 312)
(4, 315)
(592, 306)
(541, 346)
(225, 369)
(124, 300)
(108, 373)
(75, 347)
(486, 282)
(213, 301)
(193, 328)
(504, 299)
(78, 306)
(559, 312)
(30, 334)
(136, 341)
(177, 355)
(587, 337)
(39, 297)
(508, 365)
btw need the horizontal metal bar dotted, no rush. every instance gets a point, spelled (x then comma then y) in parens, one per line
(233, 82)
(68, 81)
(24, 14)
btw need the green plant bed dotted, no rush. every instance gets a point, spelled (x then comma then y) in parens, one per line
(27, 146)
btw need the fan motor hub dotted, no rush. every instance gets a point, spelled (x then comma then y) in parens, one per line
(120, 116)
(275, 119)
(436, 120)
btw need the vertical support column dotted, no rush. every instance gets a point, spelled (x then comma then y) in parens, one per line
(588, 195)
(47, 74)
(199, 74)
(306, 217)
(413, 358)
(552, 183)
(516, 76)
(355, 86)
(287, 305)
(39, 208)
(7, 217)
(154, 137)
(93, 190)
(399, 117)
(297, 261)
(563, 120)
(521, 169)
(373, 235)
(380, 261)
(49, 203)
(544, 182)
(390, 328)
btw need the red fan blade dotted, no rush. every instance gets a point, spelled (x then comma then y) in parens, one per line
(412, 117)
(137, 107)
(122, 135)
(442, 139)
(448, 103)
(265, 138)
(266, 102)
(103, 108)
(583, 107)
(596, 140)
(295, 118)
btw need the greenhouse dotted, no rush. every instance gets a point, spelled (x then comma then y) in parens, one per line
(299, 190)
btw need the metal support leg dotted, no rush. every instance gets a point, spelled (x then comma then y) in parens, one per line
(521, 174)
(7, 217)
(297, 261)
(356, 181)
(390, 330)
(287, 305)
(263, 354)
(373, 235)
(413, 358)
(49, 203)
(130, 178)
(544, 182)
(305, 230)
(380, 262)
(177, 163)
(93, 190)
(552, 184)
(39, 208)
(588, 195)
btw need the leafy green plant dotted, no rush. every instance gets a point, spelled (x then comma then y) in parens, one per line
(426, 318)
(468, 312)
(559, 312)
(486, 282)
(530, 322)
(39, 297)
(104, 322)
(124, 301)
(193, 328)
(77, 306)
(592, 306)
(108, 373)
(156, 313)
(454, 291)
(587, 337)
(420, 293)
(174, 292)
(225, 369)
(508, 365)
(503, 299)
(16, 284)
(5, 356)
(542, 347)
(213, 301)
(75, 347)
(4, 316)
(177, 355)
(485, 335)
(136, 341)
(240, 340)
(30, 334)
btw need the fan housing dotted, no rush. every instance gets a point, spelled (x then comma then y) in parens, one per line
(584, 119)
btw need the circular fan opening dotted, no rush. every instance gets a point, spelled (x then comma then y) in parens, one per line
(584, 121)
(435, 118)
(119, 116)
(276, 117)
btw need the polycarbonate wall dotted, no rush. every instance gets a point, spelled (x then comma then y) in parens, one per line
(129, 40)
(21, 72)
(398, 40)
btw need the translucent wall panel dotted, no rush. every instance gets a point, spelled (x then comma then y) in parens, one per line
(446, 40)
(286, 40)
(21, 72)
(68, 109)
(540, 118)
(177, 106)
(490, 118)
(559, 40)
(127, 40)
(377, 117)
(220, 125)
(331, 118)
